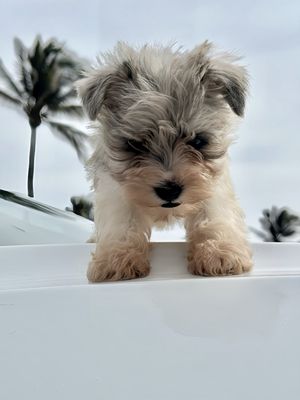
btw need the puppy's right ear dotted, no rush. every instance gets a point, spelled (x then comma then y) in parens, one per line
(106, 87)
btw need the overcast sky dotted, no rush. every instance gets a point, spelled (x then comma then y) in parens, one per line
(265, 160)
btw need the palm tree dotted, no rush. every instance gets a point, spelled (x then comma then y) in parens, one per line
(44, 88)
(277, 224)
(83, 206)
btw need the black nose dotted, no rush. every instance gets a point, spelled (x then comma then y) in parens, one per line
(169, 191)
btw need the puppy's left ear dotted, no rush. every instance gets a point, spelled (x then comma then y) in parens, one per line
(221, 76)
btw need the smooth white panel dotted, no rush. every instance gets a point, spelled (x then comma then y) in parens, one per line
(170, 336)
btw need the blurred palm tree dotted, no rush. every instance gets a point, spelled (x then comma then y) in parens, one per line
(44, 89)
(83, 206)
(277, 224)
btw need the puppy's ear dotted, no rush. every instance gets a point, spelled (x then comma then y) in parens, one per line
(221, 76)
(230, 81)
(106, 87)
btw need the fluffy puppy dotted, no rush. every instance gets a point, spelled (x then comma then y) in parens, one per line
(164, 120)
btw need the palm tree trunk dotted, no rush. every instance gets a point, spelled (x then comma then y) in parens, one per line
(31, 162)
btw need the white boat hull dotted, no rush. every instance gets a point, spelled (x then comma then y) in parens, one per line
(169, 336)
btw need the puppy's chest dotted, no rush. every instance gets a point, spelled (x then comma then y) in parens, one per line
(166, 218)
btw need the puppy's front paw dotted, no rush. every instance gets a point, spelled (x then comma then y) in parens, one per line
(213, 258)
(118, 265)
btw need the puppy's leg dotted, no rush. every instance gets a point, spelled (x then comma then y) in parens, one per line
(121, 242)
(217, 239)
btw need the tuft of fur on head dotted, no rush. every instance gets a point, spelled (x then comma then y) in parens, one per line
(151, 106)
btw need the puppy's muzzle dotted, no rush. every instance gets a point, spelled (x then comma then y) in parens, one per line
(169, 192)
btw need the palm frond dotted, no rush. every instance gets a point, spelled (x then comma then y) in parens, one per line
(9, 99)
(71, 110)
(36, 55)
(61, 97)
(20, 49)
(47, 72)
(26, 78)
(52, 47)
(278, 224)
(66, 62)
(76, 138)
(69, 95)
(23, 66)
(9, 80)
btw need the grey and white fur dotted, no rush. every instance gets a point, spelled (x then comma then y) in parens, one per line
(164, 119)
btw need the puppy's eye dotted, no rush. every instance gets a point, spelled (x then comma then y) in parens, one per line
(198, 142)
(136, 147)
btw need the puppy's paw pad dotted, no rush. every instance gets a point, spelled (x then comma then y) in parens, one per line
(217, 258)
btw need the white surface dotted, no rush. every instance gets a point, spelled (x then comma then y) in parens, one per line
(21, 225)
(169, 336)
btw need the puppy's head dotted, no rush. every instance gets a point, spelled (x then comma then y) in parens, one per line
(166, 118)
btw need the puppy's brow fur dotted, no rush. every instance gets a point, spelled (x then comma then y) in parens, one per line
(149, 106)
